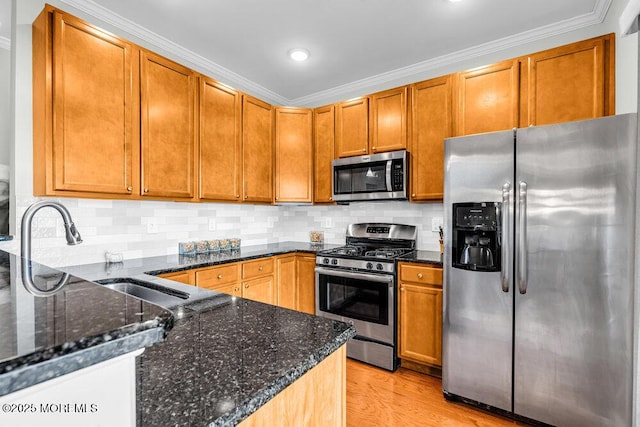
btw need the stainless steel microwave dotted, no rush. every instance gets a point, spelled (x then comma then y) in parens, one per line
(383, 176)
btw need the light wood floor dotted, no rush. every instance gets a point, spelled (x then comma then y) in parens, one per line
(376, 397)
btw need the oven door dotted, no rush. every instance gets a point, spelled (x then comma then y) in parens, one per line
(363, 299)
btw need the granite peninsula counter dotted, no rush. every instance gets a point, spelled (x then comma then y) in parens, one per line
(213, 360)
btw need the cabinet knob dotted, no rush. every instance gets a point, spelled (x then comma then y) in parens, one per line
(419, 275)
(236, 289)
(260, 268)
(129, 189)
(373, 148)
(401, 289)
(146, 190)
(364, 150)
(413, 195)
(246, 197)
(237, 196)
(246, 286)
(219, 276)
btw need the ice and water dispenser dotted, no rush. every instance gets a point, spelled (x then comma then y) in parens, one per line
(476, 239)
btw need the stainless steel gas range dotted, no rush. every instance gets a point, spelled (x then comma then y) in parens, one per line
(356, 283)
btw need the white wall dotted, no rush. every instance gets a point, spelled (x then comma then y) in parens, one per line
(5, 104)
(120, 226)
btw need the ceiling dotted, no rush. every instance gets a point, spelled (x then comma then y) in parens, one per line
(244, 42)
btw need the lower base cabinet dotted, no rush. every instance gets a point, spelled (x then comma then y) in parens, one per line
(420, 314)
(317, 399)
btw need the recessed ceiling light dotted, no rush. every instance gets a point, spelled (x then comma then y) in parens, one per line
(298, 54)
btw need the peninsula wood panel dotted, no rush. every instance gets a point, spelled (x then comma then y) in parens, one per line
(324, 146)
(220, 151)
(317, 399)
(352, 127)
(388, 123)
(572, 82)
(294, 154)
(257, 150)
(431, 123)
(168, 128)
(82, 146)
(488, 98)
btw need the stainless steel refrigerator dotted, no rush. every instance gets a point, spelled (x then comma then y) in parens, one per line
(539, 271)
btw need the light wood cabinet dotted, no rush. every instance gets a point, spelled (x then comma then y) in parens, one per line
(85, 110)
(286, 283)
(388, 123)
(215, 277)
(220, 152)
(323, 149)
(431, 123)
(306, 283)
(257, 150)
(488, 98)
(258, 281)
(168, 128)
(294, 154)
(186, 277)
(572, 82)
(352, 127)
(420, 313)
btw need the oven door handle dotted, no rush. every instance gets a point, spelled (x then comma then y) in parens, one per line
(380, 278)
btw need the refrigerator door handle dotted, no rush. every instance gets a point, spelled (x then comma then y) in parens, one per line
(506, 241)
(522, 244)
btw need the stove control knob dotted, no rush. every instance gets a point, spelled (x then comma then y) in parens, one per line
(334, 261)
(379, 266)
(325, 261)
(369, 266)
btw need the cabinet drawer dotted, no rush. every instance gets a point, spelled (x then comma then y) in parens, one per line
(257, 268)
(420, 274)
(212, 277)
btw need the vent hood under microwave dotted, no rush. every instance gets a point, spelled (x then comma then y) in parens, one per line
(383, 176)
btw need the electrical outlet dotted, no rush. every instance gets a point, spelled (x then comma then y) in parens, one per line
(328, 222)
(436, 223)
(212, 224)
(152, 227)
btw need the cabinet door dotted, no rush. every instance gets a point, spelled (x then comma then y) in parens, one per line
(352, 127)
(323, 146)
(220, 141)
(421, 323)
(294, 152)
(286, 282)
(168, 129)
(93, 119)
(187, 277)
(261, 289)
(572, 82)
(257, 150)
(389, 120)
(488, 98)
(306, 283)
(431, 123)
(233, 289)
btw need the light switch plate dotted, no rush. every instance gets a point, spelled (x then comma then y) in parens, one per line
(436, 223)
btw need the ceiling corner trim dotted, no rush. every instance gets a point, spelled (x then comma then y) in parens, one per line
(5, 43)
(595, 17)
(219, 72)
(629, 18)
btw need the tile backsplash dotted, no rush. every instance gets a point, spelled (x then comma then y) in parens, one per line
(120, 226)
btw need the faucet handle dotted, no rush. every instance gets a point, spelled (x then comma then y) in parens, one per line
(72, 234)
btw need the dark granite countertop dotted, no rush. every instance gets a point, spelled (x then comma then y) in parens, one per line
(43, 337)
(423, 257)
(222, 358)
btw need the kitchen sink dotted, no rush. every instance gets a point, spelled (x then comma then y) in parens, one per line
(147, 291)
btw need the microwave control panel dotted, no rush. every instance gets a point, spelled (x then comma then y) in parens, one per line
(397, 175)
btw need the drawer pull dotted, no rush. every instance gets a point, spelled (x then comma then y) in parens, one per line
(219, 276)
(420, 276)
(260, 268)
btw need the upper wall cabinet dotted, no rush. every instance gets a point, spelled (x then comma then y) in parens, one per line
(168, 128)
(257, 150)
(388, 122)
(431, 123)
(352, 127)
(323, 146)
(85, 110)
(294, 155)
(573, 82)
(220, 141)
(488, 98)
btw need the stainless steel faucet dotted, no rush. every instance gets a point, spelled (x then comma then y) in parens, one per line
(71, 234)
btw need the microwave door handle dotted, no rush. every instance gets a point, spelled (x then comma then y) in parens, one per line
(388, 175)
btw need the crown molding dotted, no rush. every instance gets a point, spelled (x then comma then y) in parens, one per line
(220, 72)
(5, 43)
(629, 18)
(596, 16)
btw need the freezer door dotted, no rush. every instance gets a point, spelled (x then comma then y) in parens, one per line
(478, 313)
(574, 304)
